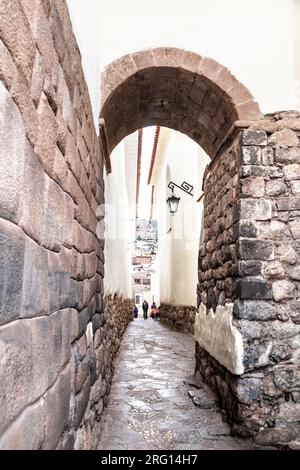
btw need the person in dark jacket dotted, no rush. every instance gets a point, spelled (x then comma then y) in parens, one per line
(135, 312)
(145, 309)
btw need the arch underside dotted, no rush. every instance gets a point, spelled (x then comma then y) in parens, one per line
(202, 100)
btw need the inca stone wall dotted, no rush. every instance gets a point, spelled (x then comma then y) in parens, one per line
(258, 271)
(56, 338)
(178, 317)
(108, 329)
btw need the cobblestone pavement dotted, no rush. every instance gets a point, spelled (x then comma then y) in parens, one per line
(151, 406)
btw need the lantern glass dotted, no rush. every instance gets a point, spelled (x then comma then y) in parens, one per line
(173, 203)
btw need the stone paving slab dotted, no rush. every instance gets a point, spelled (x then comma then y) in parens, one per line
(150, 407)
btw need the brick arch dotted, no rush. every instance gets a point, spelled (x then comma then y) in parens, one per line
(173, 88)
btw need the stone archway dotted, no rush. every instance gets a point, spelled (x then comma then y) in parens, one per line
(247, 294)
(177, 89)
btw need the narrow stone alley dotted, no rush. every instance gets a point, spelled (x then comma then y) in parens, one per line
(151, 401)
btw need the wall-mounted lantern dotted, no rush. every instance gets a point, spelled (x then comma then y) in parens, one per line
(173, 201)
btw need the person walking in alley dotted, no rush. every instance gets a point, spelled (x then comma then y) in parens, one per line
(145, 309)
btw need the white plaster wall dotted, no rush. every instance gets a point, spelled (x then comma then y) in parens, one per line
(215, 332)
(117, 228)
(184, 160)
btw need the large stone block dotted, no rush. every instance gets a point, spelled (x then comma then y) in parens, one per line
(53, 216)
(82, 400)
(288, 203)
(284, 139)
(254, 137)
(254, 289)
(288, 155)
(62, 294)
(286, 253)
(32, 202)
(16, 370)
(12, 150)
(248, 390)
(250, 268)
(57, 404)
(292, 171)
(16, 34)
(12, 249)
(250, 155)
(35, 281)
(254, 310)
(256, 249)
(295, 229)
(276, 187)
(8, 67)
(253, 209)
(283, 290)
(27, 432)
(47, 135)
(274, 270)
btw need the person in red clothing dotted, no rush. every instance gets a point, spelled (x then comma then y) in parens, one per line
(154, 311)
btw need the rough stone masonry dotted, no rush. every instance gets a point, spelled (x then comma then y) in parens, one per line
(250, 259)
(58, 336)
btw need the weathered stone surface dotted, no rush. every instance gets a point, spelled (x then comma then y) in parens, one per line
(27, 432)
(12, 249)
(274, 270)
(256, 249)
(253, 186)
(287, 378)
(284, 139)
(294, 272)
(47, 135)
(274, 188)
(82, 400)
(288, 413)
(251, 155)
(254, 137)
(250, 268)
(286, 253)
(17, 367)
(254, 310)
(180, 317)
(295, 229)
(13, 141)
(248, 390)
(35, 283)
(254, 209)
(57, 403)
(283, 290)
(292, 171)
(267, 156)
(254, 289)
(288, 203)
(277, 435)
(295, 187)
(285, 156)
(82, 372)
(32, 207)
(16, 34)
(61, 294)
(54, 216)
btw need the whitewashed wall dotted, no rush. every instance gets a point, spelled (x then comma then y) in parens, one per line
(178, 250)
(118, 228)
